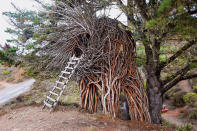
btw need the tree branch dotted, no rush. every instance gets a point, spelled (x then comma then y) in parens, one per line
(141, 4)
(178, 79)
(181, 72)
(177, 54)
(188, 13)
(192, 12)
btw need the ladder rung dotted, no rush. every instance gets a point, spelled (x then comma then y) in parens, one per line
(76, 58)
(60, 82)
(75, 66)
(51, 99)
(58, 88)
(47, 104)
(53, 93)
(70, 68)
(72, 63)
(66, 72)
(64, 77)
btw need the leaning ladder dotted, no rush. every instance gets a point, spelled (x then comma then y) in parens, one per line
(55, 94)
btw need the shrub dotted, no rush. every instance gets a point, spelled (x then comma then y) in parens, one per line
(195, 88)
(171, 93)
(190, 98)
(6, 72)
(165, 123)
(177, 99)
(193, 114)
(187, 127)
(32, 72)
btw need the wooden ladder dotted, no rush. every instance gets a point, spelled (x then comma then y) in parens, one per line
(55, 94)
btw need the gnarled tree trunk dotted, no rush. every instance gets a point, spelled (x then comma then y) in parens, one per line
(154, 96)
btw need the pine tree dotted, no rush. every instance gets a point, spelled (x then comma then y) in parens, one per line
(168, 33)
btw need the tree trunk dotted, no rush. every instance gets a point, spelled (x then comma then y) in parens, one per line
(155, 98)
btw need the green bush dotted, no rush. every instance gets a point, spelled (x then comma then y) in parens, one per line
(6, 72)
(32, 72)
(165, 123)
(193, 114)
(171, 93)
(187, 127)
(190, 98)
(177, 100)
(195, 88)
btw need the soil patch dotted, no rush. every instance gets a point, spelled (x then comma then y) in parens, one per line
(173, 117)
(34, 119)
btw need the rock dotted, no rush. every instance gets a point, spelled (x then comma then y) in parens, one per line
(10, 117)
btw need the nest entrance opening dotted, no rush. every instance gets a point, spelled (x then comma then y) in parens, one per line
(78, 52)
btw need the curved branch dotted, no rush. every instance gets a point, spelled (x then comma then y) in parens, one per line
(182, 72)
(177, 54)
(178, 79)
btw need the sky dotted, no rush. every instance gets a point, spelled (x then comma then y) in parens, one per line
(5, 5)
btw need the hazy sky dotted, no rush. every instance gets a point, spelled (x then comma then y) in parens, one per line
(5, 5)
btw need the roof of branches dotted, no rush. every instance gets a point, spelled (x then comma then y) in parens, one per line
(80, 28)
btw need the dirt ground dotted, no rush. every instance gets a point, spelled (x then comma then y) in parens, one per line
(32, 118)
(173, 117)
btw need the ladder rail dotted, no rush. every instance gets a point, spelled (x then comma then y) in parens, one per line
(63, 79)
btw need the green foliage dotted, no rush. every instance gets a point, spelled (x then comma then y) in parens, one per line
(30, 46)
(163, 58)
(165, 6)
(187, 127)
(32, 72)
(28, 24)
(169, 48)
(190, 98)
(139, 62)
(151, 23)
(167, 124)
(36, 35)
(140, 55)
(178, 100)
(186, 26)
(6, 56)
(195, 88)
(193, 64)
(193, 114)
(6, 72)
(173, 16)
(157, 23)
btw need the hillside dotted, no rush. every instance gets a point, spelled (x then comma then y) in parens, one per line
(25, 111)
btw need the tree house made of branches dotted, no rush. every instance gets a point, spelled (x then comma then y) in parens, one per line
(107, 69)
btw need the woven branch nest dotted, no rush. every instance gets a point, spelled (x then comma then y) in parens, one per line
(91, 40)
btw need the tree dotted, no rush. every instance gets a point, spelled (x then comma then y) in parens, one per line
(155, 23)
(30, 28)
(7, 54)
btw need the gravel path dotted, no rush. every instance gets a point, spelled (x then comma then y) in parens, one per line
(13, 90)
